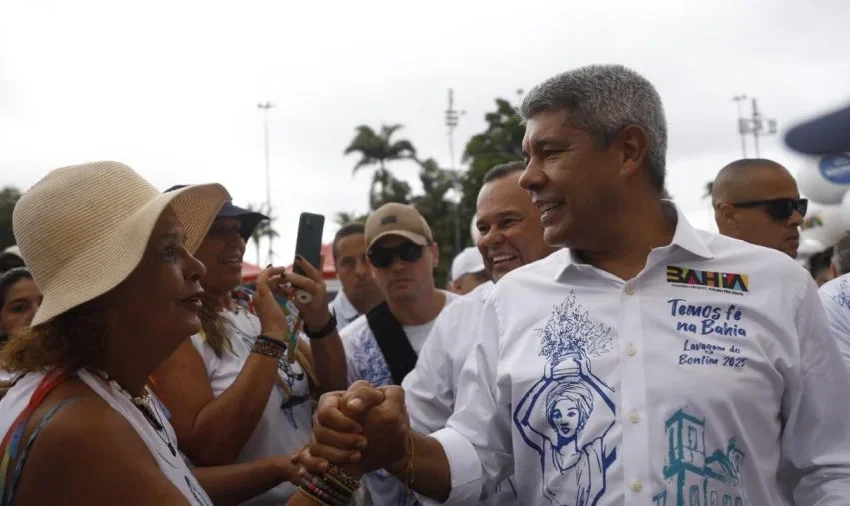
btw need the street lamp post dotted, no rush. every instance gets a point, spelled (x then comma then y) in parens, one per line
(266, 106)
(757, 124)
(452, 118)
(739, 99)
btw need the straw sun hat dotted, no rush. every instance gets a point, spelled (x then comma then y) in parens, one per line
(83, 229)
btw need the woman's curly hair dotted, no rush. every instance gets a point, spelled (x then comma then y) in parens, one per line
(75, 339)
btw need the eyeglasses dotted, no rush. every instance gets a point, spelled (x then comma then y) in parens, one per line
(779, 209)
(406, 251)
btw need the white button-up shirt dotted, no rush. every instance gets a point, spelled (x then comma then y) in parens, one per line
(343, 310)
(695, 383)
(430, 389)
(835, 296)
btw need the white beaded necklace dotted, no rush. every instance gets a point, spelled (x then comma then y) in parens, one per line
(145, 404)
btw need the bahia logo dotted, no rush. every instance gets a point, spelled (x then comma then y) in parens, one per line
(836, 168)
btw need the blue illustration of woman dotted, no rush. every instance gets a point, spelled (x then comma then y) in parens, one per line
(574, 462)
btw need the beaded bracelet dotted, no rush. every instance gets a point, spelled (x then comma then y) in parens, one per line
(331, 491)
(273, 342)
(344, 479)
(263, 347)
(328, 491)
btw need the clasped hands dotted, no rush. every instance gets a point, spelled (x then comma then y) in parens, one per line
(361, 430)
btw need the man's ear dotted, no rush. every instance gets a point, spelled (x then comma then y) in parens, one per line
(635, 143)
(726, 216)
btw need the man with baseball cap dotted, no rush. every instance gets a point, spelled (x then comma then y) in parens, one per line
(381, 346)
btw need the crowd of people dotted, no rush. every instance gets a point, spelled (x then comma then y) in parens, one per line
(593, 348)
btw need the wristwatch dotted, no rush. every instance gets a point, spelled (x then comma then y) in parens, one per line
(323, 332)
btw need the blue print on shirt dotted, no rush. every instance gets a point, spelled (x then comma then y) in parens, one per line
(843, 295)
(569, 395)
(291, 373)
(369, 362)
(695, 476)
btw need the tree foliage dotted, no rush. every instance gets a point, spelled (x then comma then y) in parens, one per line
(265, 230)
(343, 218)
(377, 149)
(500, 142)
(8, 198)
(439, 212)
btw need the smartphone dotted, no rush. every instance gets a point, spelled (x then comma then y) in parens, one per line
(309, 241)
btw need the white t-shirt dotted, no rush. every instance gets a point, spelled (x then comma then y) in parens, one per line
(287, 421)
(171, 465)
(366, 362)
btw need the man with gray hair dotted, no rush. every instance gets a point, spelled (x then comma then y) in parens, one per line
(648, 363)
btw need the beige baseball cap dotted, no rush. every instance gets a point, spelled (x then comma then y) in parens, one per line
(397, 219)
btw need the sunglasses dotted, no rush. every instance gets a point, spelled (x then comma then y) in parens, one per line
(779, 209)
(406, 251)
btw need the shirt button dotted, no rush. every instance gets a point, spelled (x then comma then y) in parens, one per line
(630, 290)
(637, 486)
(634, 417)
(631, 350)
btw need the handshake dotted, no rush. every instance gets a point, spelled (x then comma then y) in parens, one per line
(360, 430)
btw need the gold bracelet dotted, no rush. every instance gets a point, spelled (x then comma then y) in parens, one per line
(406, 474)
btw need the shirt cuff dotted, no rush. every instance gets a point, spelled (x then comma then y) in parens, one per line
(464, 465)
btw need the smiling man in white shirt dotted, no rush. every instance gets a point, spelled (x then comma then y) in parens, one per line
(509, 236)
(650, 363)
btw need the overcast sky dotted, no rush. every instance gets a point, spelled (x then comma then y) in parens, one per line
(171, 87)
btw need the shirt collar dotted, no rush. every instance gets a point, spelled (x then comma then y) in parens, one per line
(344, 306)
(685, 237)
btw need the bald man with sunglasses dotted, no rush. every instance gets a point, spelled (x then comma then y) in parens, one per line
(757, 200)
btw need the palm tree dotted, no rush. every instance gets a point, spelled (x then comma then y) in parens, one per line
(264, 230)
(378, 149)
(441, 214)
(343, 218)
(709, 189)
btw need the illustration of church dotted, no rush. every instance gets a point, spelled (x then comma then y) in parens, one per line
(694, 476)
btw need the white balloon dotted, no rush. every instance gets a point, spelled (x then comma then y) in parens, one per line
(823, 224)
(473, 230)
(825, 179)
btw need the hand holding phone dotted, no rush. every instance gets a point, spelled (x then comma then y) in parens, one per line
(307, 286)
(308, 245)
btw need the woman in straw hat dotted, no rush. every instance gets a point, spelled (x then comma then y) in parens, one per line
(113, 259)
(233, 391)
